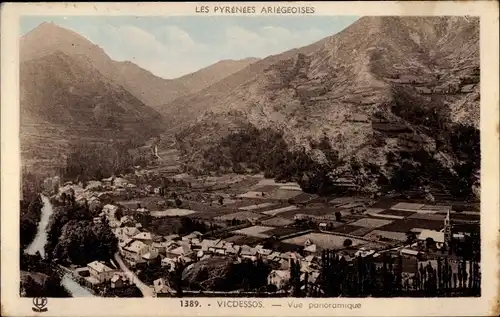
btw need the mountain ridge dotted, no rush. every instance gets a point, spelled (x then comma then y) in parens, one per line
(382, 85)
(151, 89)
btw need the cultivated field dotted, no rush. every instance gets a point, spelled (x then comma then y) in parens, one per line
(407, 224)
(322, 240)
(241, 215)
(282, 231)
(146, 202)
(257, 206)
(438, 217)
(371, 223)
(361, 232)
(402, 213)
(253, 195)
(348, 229)
(272, 182)
(407, 206)
(284, 194)
(242, 239)
(277, 222)
(255, 231)
(390, 235)
(275, 212)
(172, 213)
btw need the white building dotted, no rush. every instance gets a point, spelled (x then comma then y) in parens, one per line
(437, 236)
(100, 271)
(278, 278)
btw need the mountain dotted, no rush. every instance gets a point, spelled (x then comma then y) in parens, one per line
(66, 100)
(383, 85)
(152, 90)
(182, 111)
(210, 75)
(72, 90)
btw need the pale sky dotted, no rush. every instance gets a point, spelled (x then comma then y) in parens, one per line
(170, 47)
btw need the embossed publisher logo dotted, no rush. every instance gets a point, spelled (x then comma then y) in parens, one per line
(39, 304)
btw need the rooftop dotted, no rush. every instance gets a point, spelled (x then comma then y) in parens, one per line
(99, 267)
(437, 236)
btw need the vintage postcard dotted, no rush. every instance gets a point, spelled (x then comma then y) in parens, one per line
(250, 159)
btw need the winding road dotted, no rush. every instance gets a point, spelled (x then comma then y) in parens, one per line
(145, 290)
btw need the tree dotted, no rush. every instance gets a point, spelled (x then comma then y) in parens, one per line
(82, 241)
(347, 243)
(430, 243)
(338, 216)
(411, 237)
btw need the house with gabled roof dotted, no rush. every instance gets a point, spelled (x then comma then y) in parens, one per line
(264, 252)
(182, 250)
(134, 252)
(232, 249)
(310, 249)
(206, 244)
(248, 253)
(127, 221)
(274, 257)
(278, 278)
(160, 286)
(100, 271)
(145, 237)
(172, 237)
(119, 281)
(192, 235)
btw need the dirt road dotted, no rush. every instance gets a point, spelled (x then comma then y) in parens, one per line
(145, 290)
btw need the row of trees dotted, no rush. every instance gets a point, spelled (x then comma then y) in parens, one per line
(366, 277)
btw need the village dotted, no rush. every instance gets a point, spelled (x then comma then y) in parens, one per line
(182, 220)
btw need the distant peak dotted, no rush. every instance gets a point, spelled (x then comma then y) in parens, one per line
(49, 28)
(49, 25)
(247, 59)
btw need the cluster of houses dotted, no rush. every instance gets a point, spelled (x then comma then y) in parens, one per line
(98, 192)
(141, 248)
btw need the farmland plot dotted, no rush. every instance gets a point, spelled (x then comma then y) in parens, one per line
(255, 231)
(371, 223)
(172, 213)
(241, 215)
(391, 235)
(275, 212)
(323, 240)
(256, 206)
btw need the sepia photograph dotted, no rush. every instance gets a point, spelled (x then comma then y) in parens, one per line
(292, 155)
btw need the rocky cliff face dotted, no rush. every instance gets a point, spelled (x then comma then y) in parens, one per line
(384, 84)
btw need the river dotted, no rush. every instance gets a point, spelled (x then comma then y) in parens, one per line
(38, 244)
